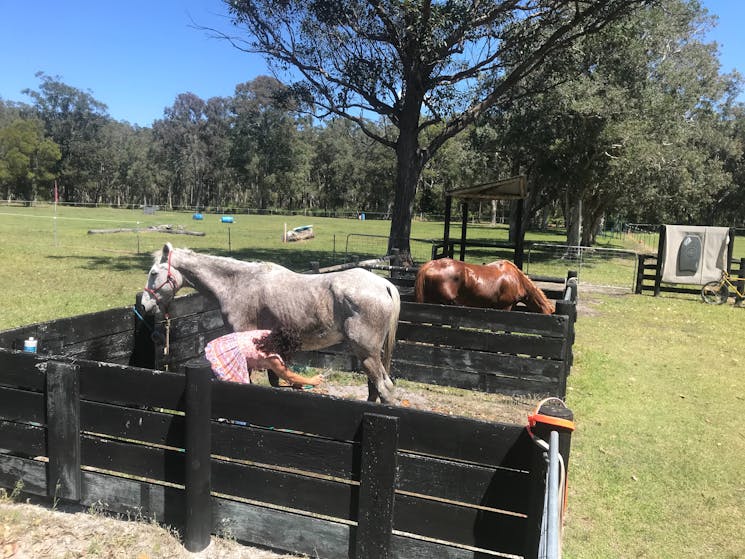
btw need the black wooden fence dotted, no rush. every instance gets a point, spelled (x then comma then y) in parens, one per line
(306, 474)
(90, 419)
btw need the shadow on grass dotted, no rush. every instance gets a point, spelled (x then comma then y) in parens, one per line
(119, 263)
(299, 261)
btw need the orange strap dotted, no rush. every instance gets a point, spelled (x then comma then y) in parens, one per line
(534, 418)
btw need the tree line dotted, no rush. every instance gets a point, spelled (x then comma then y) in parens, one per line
(630, 119)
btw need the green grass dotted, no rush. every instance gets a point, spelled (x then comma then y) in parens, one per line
(656, 466)
(52, 267)
(656, 388)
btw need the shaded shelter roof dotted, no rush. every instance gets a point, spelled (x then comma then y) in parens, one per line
(513, 188)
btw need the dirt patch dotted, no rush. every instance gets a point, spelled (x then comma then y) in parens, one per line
(589, 297)
(442, 399)
(32, 531)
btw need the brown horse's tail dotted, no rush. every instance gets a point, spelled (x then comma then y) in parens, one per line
(419, 283)
(390, 341)
(536, 299)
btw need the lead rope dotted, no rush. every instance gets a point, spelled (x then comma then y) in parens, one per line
(167, 346)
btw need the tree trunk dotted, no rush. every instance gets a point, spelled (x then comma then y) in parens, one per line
(406, 181)
(514, 225)
(574, 220)
(409, 164)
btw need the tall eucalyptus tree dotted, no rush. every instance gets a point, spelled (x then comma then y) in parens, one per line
(635, 128)
(27, 160)
(183, 152)
(416, 64)
(265, 150)
(74, 120)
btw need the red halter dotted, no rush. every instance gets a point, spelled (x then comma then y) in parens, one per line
(170, 280)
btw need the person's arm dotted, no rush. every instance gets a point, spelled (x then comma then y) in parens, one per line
(296, 380)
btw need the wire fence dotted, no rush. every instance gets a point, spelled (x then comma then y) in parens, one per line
(358, 245)
(646, 234)
(134, 234)
(343, 213)
(594, 266)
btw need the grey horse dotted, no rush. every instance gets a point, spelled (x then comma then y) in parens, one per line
(354, 306)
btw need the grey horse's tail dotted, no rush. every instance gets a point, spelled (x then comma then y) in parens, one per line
(390, 342)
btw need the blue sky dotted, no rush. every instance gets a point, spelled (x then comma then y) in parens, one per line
(137, 56)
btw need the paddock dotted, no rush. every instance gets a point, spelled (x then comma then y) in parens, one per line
(93, 419)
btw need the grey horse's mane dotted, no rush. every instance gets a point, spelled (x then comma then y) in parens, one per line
(158, 256)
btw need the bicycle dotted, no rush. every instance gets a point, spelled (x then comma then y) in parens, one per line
(718, 291)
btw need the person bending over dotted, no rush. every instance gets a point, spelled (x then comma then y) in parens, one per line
(234, 356)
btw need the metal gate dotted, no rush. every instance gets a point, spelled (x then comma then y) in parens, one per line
(595, 266)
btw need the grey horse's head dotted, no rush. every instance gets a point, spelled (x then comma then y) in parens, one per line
(163, 281)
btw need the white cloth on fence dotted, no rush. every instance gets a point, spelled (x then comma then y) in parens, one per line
(705, 246)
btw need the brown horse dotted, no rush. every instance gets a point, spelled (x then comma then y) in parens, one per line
(497, 285)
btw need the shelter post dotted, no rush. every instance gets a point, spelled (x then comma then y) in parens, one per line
(446, 232)
(377, 486)
(520, 239)
(463, 230)
(730, 249)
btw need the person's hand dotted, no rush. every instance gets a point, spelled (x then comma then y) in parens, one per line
(316, 380)
(311, 381)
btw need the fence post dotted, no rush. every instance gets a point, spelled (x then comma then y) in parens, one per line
(143, 354)
(63, 431)
(741, 281)
(641, 260)
(198, 446)
(572, 279)
(377, 486)
(568, 308)
(660, 255)
(552, 416)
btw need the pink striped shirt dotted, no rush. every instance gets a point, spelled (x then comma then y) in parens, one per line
(235, 355)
